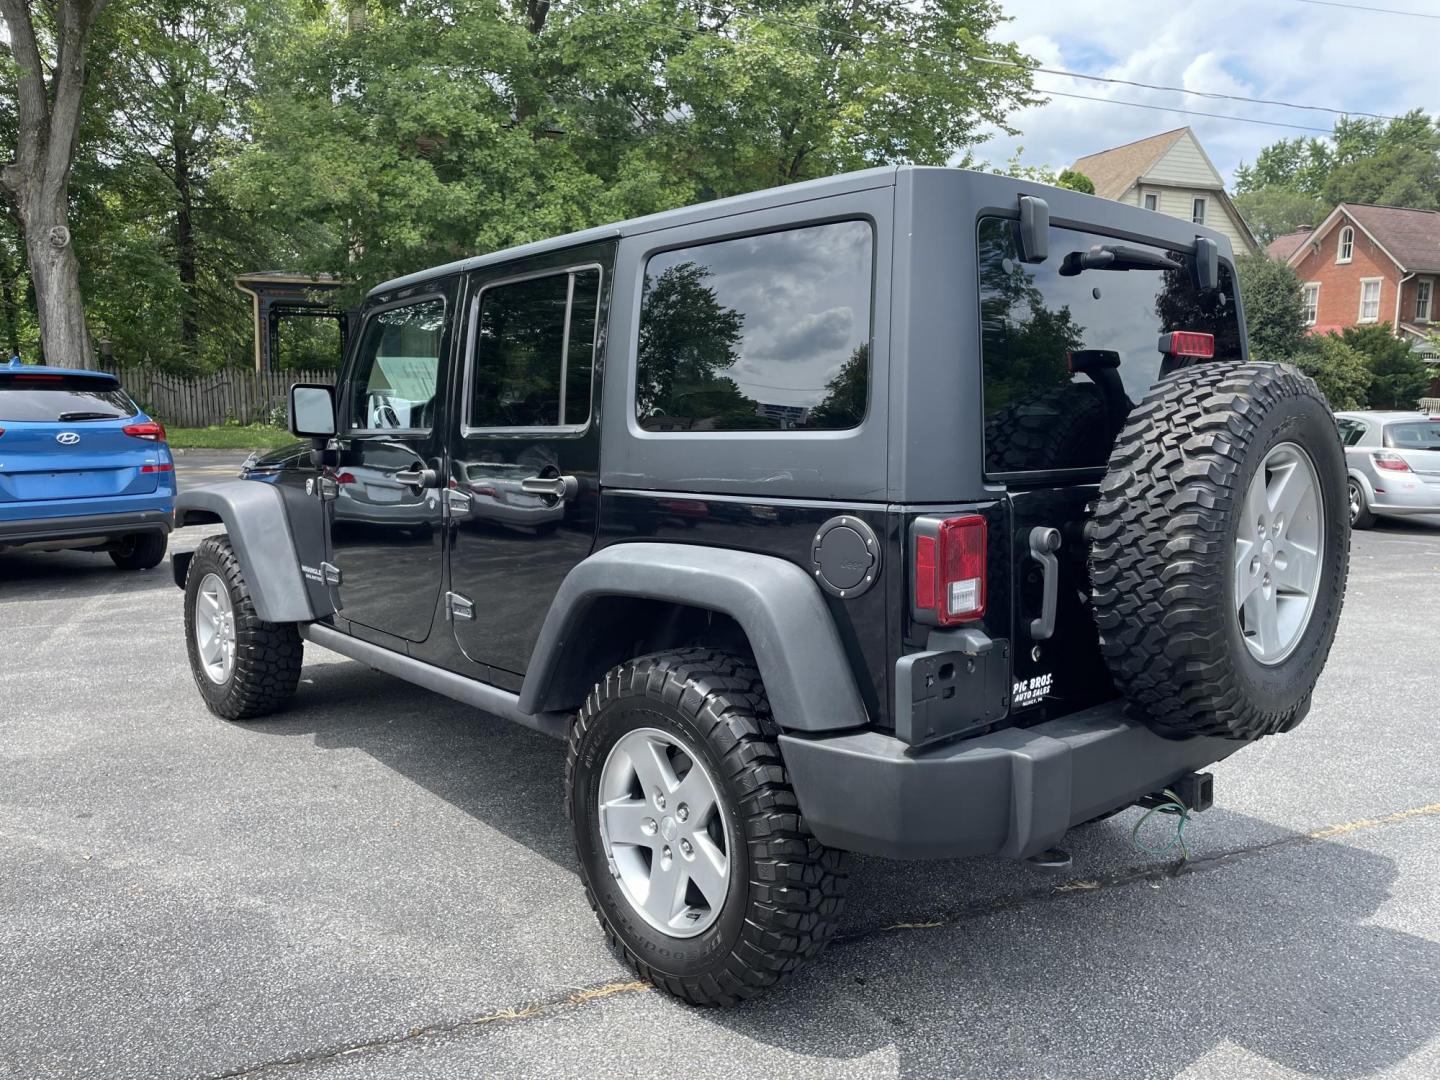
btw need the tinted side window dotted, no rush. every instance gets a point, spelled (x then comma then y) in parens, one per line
(1067, 355)
(397, 368)
(768, 332)
(535, 352)
(1350, 431)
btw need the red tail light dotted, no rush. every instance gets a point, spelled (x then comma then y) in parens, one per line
(1188, 343)
(950, 569)
(157, 468)
(151, 430)
(1384, 459)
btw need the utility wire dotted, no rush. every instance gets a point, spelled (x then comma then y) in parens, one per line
(1173, 109)
(985, 58)
(999, 61)
(1365, 7)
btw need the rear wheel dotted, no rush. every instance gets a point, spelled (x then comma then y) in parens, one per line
(1360, 515)
(691, 844)
(243, 666)
(1220, 549)
(143, 551)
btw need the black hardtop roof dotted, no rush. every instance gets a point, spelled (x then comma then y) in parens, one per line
(990, 190)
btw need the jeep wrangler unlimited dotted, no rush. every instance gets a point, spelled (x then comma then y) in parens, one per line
(914, 512)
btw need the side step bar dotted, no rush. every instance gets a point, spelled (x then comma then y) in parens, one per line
(481, 695)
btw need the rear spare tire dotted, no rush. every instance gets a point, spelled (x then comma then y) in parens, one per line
(1220, 546)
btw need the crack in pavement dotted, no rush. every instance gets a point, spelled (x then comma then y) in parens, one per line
(567, 999)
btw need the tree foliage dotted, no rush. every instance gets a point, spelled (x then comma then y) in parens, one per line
(1398, 377)
(1274, 318)
(1296, 182)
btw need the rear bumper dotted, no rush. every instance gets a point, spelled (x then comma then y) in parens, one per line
(30, 530)
(1012, 793)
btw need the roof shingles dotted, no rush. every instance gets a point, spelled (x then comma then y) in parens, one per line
(1412, 237)
(1114, 171)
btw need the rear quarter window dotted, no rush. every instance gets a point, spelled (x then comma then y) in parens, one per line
(1066, 357)
(41, 398)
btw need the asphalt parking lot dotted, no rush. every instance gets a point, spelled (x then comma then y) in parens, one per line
(379, 883)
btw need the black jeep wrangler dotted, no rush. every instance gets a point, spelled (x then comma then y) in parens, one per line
(914, 512)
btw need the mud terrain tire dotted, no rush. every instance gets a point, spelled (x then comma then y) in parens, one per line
(1163, 549)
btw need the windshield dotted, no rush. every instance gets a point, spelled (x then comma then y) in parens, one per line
(38, 398)
(1413, 435)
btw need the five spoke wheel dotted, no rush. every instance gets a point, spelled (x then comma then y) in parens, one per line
(215, 629)
(665, 839)
(1278, 553)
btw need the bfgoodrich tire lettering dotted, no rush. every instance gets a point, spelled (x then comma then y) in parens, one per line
(786, 890)
(267, 656)
(1163, 549)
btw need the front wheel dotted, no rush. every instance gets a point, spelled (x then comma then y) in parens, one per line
(243, 666)
(691, 845)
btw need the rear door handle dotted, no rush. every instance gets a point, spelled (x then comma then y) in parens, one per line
(1044, 542)
(557, 487)
(418, 478)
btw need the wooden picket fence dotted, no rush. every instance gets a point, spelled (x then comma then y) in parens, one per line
(246, 397)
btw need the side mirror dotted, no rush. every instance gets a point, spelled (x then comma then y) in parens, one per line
(312, 411)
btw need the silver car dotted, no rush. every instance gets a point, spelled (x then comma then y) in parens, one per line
(1394, 463)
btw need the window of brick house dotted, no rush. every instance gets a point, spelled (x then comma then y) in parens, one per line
(1369, 300)
(1346, 250)
(1310, 300)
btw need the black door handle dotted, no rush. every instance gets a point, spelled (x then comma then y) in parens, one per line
(418, 478)
(1044, 543)
(557, 487)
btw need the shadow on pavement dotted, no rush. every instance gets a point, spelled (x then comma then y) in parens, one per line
(1269, 953)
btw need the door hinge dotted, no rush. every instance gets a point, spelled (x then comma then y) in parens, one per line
(330, 572)
(459, 607)
(329, 487)
(457, 501)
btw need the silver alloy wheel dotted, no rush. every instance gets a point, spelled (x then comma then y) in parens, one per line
(1357, 501)
(1279, 552)
(215, 628)
(664, 833)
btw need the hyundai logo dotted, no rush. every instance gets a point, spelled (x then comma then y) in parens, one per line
(67, 438)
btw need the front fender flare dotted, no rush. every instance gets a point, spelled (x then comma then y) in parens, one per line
(792, 634)
(254, 516)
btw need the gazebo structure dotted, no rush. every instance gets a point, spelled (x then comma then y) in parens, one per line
(278, 294)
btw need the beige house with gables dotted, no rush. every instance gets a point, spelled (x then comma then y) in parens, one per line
(1171, 174)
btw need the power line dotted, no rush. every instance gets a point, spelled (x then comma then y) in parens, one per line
(986, 58)
(1187, 112)
(1366, 7)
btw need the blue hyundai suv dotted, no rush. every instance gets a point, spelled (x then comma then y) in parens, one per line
(81, 467)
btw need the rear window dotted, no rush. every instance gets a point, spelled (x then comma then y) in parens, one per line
(1067, 356)
(39, 398)
(1413, 435)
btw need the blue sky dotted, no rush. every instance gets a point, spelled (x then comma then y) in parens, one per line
(1282, 49)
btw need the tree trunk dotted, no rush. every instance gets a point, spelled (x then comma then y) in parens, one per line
(185, 249)
(55, 272)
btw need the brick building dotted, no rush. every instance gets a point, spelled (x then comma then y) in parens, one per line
(1368, 264)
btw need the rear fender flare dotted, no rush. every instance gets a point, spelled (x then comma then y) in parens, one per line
(791, 632)
(254, 516)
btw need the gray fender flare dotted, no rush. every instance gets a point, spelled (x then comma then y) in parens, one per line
(798, 650)
(254, 515)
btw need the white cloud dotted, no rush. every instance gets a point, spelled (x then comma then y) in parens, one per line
(1281, 49)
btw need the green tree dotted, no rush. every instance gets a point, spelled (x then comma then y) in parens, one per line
(410, 134)
(1274, 317)
(1275, 211)
(1399, 378)
(688, 341)
(845, 395)
(1339, 370)
(1075, 181)
(43, 72)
